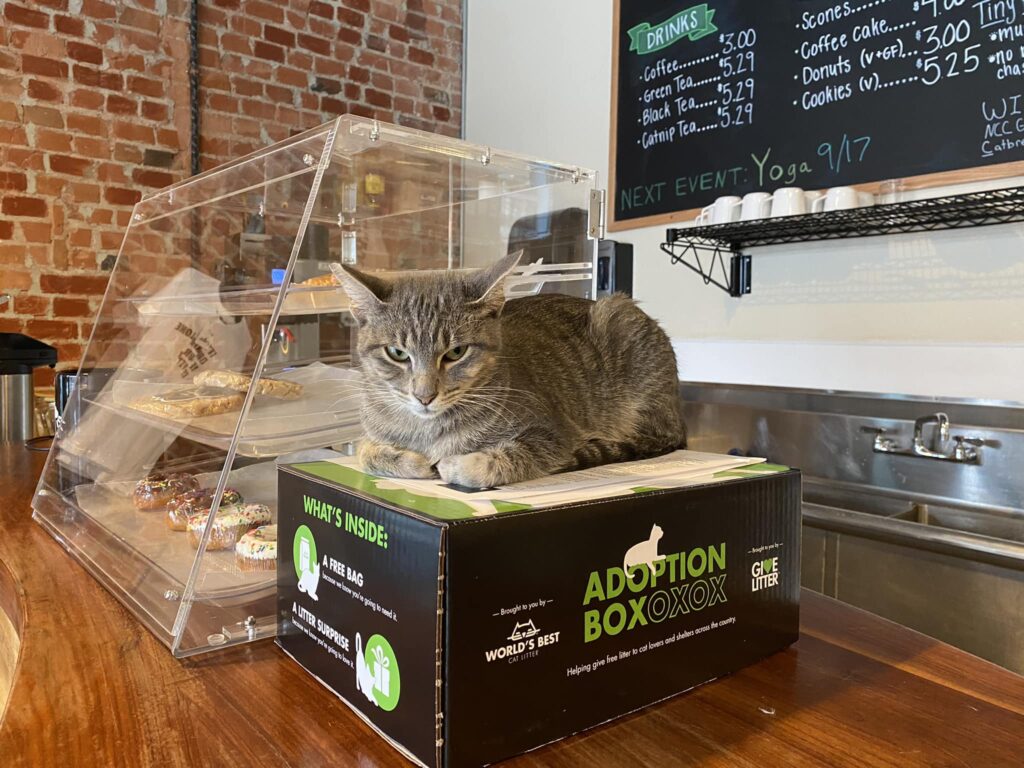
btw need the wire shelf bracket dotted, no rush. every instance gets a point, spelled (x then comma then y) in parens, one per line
(693, 245)
(708, 258)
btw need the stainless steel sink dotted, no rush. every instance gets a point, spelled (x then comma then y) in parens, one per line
(854, 499)
(935, 545)
(1007, 527)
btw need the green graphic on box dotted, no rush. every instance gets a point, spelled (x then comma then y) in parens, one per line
(382, 682)
(304, 551)
(307, 566)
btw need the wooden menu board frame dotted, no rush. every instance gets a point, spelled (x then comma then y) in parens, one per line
(925, 181)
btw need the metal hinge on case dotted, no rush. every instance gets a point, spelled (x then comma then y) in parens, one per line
(596, 224)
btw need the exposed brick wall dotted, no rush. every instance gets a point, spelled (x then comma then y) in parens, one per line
(94, 112)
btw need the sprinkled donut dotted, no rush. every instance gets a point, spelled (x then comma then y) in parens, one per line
(183, 505)
(229, 524)
(156, 489)
(257, 550)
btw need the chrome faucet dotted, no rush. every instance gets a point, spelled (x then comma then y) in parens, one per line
(965, 450)
(939, 436)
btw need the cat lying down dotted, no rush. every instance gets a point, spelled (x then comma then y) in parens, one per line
(482, 391)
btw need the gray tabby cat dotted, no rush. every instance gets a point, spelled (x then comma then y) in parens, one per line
(482, 391)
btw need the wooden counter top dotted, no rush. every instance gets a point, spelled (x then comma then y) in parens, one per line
(92, 687)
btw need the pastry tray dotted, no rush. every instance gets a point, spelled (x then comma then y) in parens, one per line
(299, 300)
(326, 414)
(146, 532)
(526, 280)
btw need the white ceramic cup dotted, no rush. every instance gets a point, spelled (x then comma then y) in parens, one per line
(756, 205)
(837, 199)
(789, 201)
(723, 211)
(866, 199)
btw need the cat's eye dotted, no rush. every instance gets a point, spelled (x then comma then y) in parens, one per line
(397, 354)
(456, 353)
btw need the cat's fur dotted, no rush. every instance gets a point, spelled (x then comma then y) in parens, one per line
(550, 383)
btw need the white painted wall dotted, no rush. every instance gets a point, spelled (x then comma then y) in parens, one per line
(939, 314)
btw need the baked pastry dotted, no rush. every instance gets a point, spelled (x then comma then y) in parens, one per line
(157, 488)
(229, 524)
(183, 505)
(321, 280)
(191, 402)
(240, 382)
(257, 549)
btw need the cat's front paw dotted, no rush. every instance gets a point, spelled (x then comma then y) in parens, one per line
(470, 470)
(389, 461)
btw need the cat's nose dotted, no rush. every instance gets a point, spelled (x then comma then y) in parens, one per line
(426, 399)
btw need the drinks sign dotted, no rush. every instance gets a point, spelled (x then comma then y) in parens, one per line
(729, 97)
(692, 24)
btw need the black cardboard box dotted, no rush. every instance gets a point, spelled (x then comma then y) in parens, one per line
(466, 639)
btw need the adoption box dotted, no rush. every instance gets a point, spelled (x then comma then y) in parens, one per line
(467, 627)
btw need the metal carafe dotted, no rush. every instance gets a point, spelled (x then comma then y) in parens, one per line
(19, 355)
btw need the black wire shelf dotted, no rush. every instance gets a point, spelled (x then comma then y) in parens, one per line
(715, 251)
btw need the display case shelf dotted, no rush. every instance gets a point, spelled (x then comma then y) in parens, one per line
(705, 249)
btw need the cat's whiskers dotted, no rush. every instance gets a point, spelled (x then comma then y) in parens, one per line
(482, 403)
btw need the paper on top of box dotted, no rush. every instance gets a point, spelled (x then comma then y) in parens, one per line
(437, 500)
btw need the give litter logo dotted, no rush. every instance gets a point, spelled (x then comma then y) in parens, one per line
(764, 574)
(377, 675)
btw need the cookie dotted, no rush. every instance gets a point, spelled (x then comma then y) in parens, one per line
(257, 549)
(191, 402)
(184, 505)
(240, 382)
(229, 524)
(157, 488)
(321, 280)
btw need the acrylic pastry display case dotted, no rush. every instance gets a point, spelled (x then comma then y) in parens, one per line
(223, 346)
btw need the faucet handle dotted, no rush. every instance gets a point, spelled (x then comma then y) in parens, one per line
(882, 443)
(966, 449)
(975, 441)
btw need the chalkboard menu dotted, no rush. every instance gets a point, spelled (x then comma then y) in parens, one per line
(734, 96)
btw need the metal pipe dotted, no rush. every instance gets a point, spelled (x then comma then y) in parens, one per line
(193, 84)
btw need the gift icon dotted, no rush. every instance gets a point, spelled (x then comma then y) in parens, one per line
(381, 673)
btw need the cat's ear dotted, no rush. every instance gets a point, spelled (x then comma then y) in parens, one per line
(487, 286)
(367, 293)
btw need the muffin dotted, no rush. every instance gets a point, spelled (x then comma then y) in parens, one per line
(157, 488)
(229, 524)
(184, 505)
(257, 549)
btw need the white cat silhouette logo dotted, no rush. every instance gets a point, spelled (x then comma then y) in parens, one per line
(644, 553)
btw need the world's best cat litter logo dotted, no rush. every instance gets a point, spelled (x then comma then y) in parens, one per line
(650, 587)
(377, 675)
(525, 641)
(307, 567)
(764, 574)
(523, 630)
